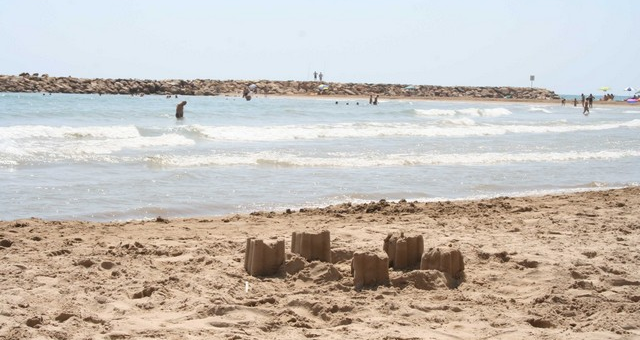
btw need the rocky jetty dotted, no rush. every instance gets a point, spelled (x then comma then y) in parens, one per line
(26, 82)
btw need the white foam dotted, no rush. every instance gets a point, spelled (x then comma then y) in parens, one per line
(539, 109)
(476, 112)
(98, 150)
(458, 122)
(447, 128)
(341, 160)
(114, 145)
(435, 112)
(495, 112)
(42, 131)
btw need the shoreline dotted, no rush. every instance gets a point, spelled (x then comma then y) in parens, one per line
(364, 99)
(282, 210)
(562, 265)
(555, 102)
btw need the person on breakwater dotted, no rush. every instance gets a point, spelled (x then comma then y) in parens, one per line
(375, 101)
(180, 110)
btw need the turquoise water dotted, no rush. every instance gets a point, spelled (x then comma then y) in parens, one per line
(105, 158)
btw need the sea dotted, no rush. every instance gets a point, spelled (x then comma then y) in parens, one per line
(119, 158)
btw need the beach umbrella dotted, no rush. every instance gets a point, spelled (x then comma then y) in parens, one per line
(629, 89)
(604, 88)
(632, 100)
(410, 87)
(323, 87)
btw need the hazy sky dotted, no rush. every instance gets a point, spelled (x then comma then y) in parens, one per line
(570, 46)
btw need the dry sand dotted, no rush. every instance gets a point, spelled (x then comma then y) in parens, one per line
(552, 267)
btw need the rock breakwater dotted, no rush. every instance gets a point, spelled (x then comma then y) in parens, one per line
(207, 87)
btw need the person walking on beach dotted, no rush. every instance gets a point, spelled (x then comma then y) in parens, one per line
(590, 100)
(375, 101)
(564, 101)
(582, 96)
(575, 102)
(370, 99)
(180, 110)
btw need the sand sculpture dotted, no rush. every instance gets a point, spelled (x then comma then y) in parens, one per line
(444, 259)
(312, 246)
(404, 252)
(369, 269)
(262, 259)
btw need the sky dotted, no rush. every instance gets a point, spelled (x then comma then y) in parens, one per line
(570, 46)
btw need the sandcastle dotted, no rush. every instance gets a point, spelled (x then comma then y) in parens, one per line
(262, 259)
(404, 252)
(444, 259)
(312, 246)
(367, 268)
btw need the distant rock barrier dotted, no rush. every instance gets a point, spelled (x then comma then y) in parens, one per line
(26, 82)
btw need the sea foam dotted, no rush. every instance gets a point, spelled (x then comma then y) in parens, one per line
(346, 160)
(476, 112)
(42, 131)
(444, 128)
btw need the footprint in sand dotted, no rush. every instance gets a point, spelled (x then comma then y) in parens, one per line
(107, 265)
(62, 317)
(146, 292)
(59, 252)
(85, 263)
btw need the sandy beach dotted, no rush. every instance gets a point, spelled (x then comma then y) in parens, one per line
(550, 267)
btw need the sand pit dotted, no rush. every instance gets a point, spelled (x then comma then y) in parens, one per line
(554, 267)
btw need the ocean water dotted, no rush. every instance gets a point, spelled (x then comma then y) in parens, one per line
(105, 158)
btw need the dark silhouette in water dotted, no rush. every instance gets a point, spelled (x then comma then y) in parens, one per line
(180, 110)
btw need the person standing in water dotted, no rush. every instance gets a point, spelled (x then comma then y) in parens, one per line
(586, 108)
(180, 110)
